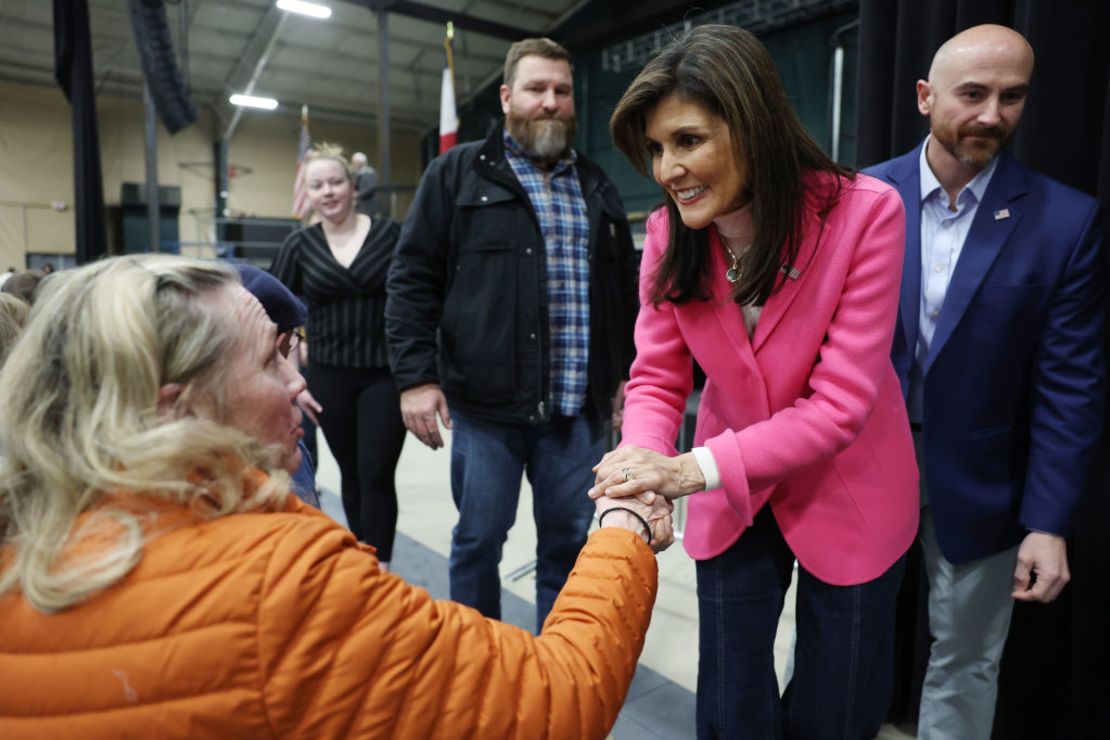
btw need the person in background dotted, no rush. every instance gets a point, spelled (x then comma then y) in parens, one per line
(288, 314)
(366, 185)
(339, 267)
(24, 284)
(777, 270)
(999, 353)
(512, 297)
(13, 315)
(157, 579)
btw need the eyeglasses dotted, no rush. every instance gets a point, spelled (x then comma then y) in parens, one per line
(289, 341)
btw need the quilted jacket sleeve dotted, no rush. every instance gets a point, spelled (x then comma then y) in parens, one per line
(349, 651)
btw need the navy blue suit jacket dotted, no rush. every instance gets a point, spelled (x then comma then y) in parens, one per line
(1014, 380)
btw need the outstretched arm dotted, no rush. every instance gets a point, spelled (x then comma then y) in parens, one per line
(347, 649)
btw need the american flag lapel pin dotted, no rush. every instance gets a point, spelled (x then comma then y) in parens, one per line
(1001, 213)
(790, 271)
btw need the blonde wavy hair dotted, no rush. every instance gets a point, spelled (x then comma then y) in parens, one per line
(81, 420)
(334, 152)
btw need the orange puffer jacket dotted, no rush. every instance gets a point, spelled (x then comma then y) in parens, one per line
(280, 625)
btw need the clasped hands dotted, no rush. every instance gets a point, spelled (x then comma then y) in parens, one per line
(657, 516)
(645, 481)
(647, 477)
(635, 471)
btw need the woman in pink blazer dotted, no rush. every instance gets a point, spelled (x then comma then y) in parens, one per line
(778, 271)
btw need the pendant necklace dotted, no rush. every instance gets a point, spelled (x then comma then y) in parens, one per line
(733, 274)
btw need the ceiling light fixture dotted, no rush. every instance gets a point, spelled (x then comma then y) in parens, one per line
(251, 101)
(312, 10)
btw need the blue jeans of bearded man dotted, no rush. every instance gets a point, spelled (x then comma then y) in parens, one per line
(487, 462)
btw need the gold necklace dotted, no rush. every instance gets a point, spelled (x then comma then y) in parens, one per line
(733, 274)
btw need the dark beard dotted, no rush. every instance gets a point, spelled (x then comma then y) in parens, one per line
(545, 139)
(976, 157)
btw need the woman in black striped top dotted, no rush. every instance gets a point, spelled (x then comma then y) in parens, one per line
(339, 267)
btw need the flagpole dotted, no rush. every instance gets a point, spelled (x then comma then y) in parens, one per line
(449, 48)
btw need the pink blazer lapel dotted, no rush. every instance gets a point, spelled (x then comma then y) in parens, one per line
(789, 288)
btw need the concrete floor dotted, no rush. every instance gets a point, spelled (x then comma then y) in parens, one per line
(662, 696)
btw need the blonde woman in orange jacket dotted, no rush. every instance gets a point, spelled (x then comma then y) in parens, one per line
(156, 579)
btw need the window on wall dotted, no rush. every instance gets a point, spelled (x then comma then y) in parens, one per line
(39, 260)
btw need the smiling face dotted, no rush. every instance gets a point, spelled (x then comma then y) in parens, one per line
(693, 159)
(539, 107)
(330, 191)
(261, 385)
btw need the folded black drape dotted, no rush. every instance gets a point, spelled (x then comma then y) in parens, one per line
(159, 62)
(1054, 681)
(73, 70)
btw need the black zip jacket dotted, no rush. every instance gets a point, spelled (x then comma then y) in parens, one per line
(467, 302)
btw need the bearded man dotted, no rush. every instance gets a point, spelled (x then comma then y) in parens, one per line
(511, 303)
(998, 348)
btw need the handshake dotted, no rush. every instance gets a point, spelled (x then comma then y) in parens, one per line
(643, 483)
(652, 521)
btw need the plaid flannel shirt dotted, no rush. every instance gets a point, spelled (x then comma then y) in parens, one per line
(557, 199)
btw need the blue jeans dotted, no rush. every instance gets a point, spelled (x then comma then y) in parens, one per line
(487, 460)
(843, 658)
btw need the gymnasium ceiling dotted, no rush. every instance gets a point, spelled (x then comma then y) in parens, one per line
(333, 65)
(330, 65)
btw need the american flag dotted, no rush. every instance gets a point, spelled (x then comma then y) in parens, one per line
(304, 146)
(448, 117)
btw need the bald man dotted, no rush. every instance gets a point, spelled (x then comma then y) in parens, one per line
(998, 351)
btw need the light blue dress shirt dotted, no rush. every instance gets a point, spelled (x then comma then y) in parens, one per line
(943, 233)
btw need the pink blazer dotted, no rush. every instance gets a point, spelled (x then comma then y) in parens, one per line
(806, 415)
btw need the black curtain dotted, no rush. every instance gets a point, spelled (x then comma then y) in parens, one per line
(1054, 681)
(73, 70)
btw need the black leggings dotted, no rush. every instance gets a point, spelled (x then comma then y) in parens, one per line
(363, 426)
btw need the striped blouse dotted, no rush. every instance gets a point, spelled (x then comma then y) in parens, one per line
(346, 305)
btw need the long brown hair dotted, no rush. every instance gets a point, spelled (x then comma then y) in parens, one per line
(729, 72)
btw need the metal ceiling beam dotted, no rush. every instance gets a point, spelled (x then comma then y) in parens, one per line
(440, 16)
(201, 56)
(520, 7)
(246, 73)
(398, 41)
(129, 84)
(496, 73)
(24, 75)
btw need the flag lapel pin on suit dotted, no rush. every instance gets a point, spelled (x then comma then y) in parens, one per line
(1001, 214)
